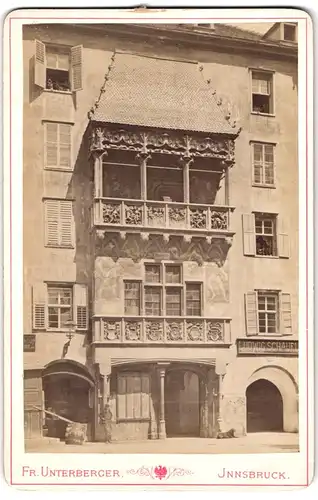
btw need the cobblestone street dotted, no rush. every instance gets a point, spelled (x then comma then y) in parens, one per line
(252, 443)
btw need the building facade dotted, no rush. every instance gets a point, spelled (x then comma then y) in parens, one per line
(160, 229)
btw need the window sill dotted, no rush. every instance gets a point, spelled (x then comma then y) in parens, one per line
(58, 169)
(65, 247)
(64, 92)
(267, 256)
(262, 114)
(268, 186)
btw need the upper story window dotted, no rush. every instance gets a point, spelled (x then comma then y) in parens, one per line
(163, 293)
(289, 32)
(263, 164)
(58, 68)
(59, 223)
(262, 92)
(268, 312)
(58, 145)
(265, 235)
(57, 306)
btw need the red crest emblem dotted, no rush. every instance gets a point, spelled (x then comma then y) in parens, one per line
(160, 472)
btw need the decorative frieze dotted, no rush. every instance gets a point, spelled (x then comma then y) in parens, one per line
(133, 215)
(177, 249)
(159, 330)
(111, 213)
(198, 218)
(146, 142)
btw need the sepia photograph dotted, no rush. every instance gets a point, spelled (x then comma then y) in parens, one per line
(160, 250)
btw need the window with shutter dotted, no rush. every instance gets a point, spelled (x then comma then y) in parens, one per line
(77, 67)
(80, 307)
(282, 239)
(262, 92)
(251, 314)
(58, 145)
(249, 242)
(39, 302)
(285, 314)
(59, 223)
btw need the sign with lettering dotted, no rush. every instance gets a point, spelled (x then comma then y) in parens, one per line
(29, 343)
(268, 347)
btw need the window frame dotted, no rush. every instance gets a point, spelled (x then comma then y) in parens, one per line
(269, 294)
(59, 286)
(163, 286)
(263, 184)
(56, 50)
(271, 74)
(289, 25)
(274, 219)
(56, 167)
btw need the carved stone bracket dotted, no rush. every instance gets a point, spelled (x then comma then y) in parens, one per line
(132, 246)
(144, 143)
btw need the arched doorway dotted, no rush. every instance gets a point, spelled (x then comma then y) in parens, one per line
(69, 392)
(182, 403)
(264, 407)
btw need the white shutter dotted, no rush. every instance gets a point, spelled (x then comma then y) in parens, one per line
(251, 313)
(249, 239)
(51, 144)
(39, 65)
(80, 307)
(39, 303)
(51, 222)
(65, 145)
(77, 68)
(285, 314)
(66, 223)
(282, 239)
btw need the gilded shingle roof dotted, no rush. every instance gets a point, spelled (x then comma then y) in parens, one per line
(153, 92)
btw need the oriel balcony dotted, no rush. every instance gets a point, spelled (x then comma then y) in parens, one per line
(162, 195)
(146, 330)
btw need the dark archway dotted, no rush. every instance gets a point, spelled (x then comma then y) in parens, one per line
(182, 403)
(69, 392)
(264, 407)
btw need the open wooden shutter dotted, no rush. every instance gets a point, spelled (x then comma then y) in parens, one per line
(282, 239)
(77, 68)
(285, 314)
(251, 313)
(80, 307)
(66, 223)
(39, 295)
(51, 222)
(51, 144)
(249, 241)
(39, 64)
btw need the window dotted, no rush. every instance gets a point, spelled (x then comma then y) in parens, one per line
(133, 396)
(263, 164)
(262, 92)
(193, 299)
(59, 223)
(58, 145)
(289, 32)
(56, 305)
(58, 68)
(59, 306)
(265, 230)
(268, 312)
(132, 298)
(265, 235)
(163, 293)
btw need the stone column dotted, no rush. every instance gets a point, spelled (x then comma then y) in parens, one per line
(105, 371)
(186, 162)
(219, 405)
(204, 402)
(162, 421)
(143, 157)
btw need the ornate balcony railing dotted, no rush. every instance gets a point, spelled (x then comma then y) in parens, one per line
(158, 330)
(149, 216)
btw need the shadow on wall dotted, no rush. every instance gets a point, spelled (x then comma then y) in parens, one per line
(80, 189)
